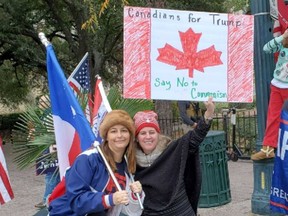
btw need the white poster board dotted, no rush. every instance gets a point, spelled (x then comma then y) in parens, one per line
(187, 55)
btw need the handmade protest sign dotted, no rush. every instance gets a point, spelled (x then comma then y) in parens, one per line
(187, 55)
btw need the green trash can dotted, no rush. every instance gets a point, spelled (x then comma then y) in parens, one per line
(215, 190)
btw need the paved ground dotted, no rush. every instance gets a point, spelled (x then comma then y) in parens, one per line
(241, 185)
(28, 189)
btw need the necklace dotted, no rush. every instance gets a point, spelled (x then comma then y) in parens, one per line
(148, 159)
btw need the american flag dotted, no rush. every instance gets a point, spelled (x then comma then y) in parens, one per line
(6, 192)
(79, 80)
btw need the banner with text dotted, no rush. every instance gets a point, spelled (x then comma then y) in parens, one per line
(187, 55)
(279, 185)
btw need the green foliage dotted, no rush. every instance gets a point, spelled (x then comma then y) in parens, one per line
(8, 121)
(13, 85)
(130, 105)
(23, 57)
(236, 5)
(175, 110)
(203, 5)
(33, 133)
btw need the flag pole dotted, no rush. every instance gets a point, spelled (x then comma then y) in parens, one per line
(43, 39)
(108, 107)
(132, 179)
(97, 145)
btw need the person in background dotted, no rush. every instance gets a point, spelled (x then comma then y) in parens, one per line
(90, 189)
(169, 170)
(52, 176)
(190, 113)
(278, 94)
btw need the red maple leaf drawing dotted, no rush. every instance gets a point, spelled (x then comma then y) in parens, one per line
(189, 58)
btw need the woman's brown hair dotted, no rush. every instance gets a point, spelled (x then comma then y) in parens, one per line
(129, 152)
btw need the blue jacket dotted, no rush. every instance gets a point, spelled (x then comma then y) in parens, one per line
(86, 183)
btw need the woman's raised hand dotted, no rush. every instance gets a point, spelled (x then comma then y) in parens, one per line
(210, 108)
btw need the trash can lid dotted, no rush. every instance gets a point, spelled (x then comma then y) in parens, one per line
(214, 133)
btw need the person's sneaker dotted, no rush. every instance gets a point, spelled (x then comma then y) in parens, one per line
(40, 205)
(265, 153)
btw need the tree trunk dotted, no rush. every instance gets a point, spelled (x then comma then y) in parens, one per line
(165, 116)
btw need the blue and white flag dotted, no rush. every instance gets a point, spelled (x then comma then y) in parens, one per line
(279, 186)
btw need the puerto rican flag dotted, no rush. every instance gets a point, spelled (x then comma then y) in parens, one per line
(6, 192)
(72, 130)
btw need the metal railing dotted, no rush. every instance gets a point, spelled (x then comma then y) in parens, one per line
(240, 127)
